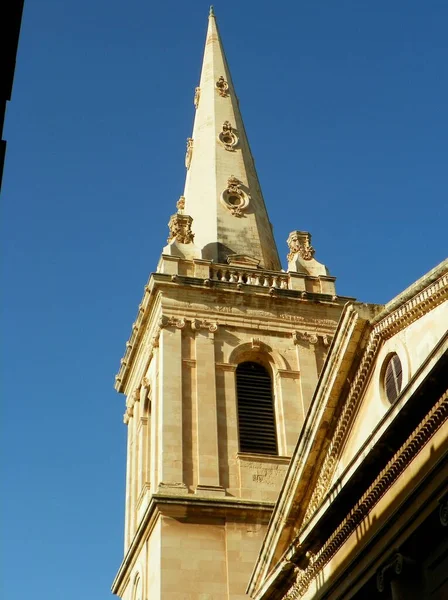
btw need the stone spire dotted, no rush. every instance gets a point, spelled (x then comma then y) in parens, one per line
(222, 192)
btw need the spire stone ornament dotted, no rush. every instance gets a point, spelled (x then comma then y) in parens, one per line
(221, 148)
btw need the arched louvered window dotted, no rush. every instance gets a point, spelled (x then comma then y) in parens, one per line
(256, 417)
(393, 378)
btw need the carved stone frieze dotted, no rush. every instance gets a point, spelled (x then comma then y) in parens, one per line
(299, 242)
(223, 87)
(234, 198)
(189, 152)
(180, 229)
(228, 137)
(197, 95)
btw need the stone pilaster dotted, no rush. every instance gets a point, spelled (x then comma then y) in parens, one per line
(206, 410)
(170, 409)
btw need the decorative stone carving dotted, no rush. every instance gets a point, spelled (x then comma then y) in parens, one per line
(256, 343)
(180, 204)
(197, 95)
(392, 569)
(166, 321)
(189, 152)
(299, 242)
(145, 382)
(234, 198)
(197, 325)
(180, 229)
(228, 137)
(312, 338)
(130, 402)
(222, 86)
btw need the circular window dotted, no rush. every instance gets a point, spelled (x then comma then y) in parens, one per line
(393, 378)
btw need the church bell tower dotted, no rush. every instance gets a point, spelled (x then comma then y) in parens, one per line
(220, 367)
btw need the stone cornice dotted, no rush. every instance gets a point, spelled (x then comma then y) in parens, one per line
(385, 327)
(159, 284)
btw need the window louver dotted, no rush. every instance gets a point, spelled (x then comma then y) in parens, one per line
(256, 418)
(393, 377)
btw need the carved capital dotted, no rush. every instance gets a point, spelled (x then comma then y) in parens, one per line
(311, 337)
(299, 242)
(165, 321)
(298, 336)
(197, 325)
(180, 228)
(130, 401)
(392, 569)
(326, 339)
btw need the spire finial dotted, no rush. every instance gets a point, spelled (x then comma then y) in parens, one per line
(212, 11)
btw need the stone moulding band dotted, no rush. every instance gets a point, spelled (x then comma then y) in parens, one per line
(432, 296)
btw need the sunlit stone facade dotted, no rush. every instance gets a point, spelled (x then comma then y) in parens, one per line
(197, 506)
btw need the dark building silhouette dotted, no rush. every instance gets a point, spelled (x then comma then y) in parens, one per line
(10, 21)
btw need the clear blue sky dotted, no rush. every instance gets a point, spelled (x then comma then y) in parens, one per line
(345, 105)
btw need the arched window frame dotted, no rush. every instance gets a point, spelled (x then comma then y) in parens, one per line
(277, 366)
(243, 444)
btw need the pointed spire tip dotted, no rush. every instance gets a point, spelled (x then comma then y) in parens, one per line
(212, 11)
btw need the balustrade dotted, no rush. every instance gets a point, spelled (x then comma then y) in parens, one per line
(249, 277)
